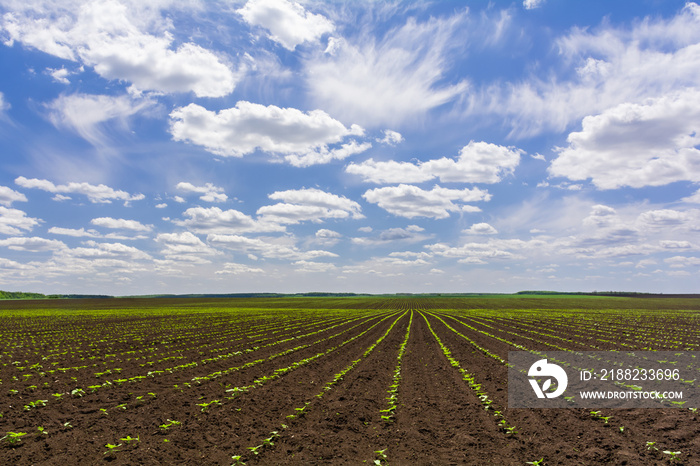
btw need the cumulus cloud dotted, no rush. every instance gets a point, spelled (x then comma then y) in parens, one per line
(269, 248)
(391, 138)
(9, 195)
(390, 80)
(231, 268)
(327, 237)
(288, 22)
(299, 205)
(209, 192)
(313, 267)
(120, 223)
(247, 127)
(105, 250)
(87, 115)
(637, 145)
(478, 162)
(411, 201)
(215, 220)
(184, 247)
(127, 43)
(325, 155)
(481, 229)
(83, 233)
(99, 194)
(13, 221)
(32, 244)
(663, 217)
(409, 234)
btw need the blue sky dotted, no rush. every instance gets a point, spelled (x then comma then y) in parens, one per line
(267, 145)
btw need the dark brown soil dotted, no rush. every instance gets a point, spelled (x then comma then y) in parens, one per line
(173, 362)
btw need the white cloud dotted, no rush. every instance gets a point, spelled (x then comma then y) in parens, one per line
(299, 205)
(637, 145)
(479, 253)
(106, 250)
(184, 247)
(32, 244)
(126, 43)
(269, 248)
(120, 223)
(325, 155)
(209, 192)
(231, 268)
(87, 115)
(95, 193)
(531, 4)
(411, 201)
(3, 104)
(248, 127)
(478, 162)
(387, 81)
(288, 22)
(83, 233)
(481, 229)
(215, 220)
(12, 221)
(601, 68)
(410, 234)
(391, 137)
(8, 196)
(682, 261)
(326, 237)
(663, 218)
(314, 267)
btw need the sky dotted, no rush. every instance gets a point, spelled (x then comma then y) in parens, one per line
(186, 146)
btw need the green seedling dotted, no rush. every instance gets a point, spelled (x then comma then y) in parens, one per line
(42, 431)
(205, 406)
(128, 439)
(104, 411)
(255, 449)
(673, 455)
(112, 449)
(651, 446)
(13, 438)
(77, 393)
(536, 462)
(381, 457)
(237, 460)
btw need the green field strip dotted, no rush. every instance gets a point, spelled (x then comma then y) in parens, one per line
(301, 411)
(544, 354)
(393, 390)
(480, 392)
(80, 392)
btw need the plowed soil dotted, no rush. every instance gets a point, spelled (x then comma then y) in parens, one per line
(200, 383)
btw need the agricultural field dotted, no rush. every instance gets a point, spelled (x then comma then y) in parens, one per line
(371, 380)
